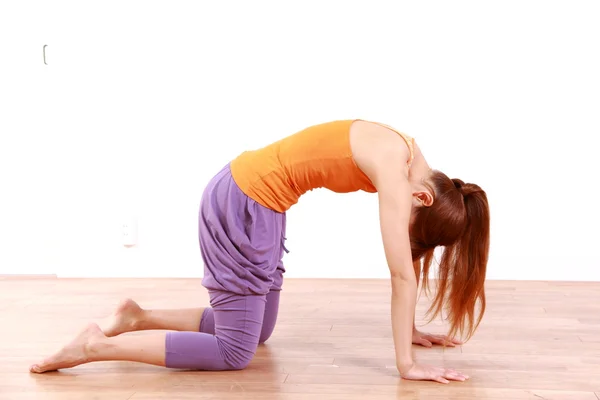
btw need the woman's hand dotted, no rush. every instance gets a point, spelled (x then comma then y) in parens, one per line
(431, 373)
(428, 340)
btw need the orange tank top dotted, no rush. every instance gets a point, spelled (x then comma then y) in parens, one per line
(320, 156)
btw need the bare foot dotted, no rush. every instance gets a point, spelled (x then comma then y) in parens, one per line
(75, 353)
(124, 319)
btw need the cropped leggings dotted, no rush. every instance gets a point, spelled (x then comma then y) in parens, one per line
(229, 333)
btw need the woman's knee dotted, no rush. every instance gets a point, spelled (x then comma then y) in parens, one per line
(265, 334)
(239, 364)
(270, 316)
(236, 357)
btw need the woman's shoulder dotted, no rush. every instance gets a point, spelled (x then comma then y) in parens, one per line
(375, 146)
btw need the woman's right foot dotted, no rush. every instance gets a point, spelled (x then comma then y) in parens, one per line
(126, 318)
(77, 352)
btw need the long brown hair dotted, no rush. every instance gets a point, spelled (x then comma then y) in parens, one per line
(458, 220)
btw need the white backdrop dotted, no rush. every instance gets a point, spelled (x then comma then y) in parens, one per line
(142, 101)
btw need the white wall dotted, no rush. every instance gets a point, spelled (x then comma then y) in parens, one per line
(142, 101)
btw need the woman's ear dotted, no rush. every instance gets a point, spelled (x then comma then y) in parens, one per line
(423, 198)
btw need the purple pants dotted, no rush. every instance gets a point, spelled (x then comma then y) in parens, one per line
(242, 246)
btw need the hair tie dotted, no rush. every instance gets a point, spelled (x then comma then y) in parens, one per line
(466, 189)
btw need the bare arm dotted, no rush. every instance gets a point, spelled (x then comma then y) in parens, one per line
(394, 212)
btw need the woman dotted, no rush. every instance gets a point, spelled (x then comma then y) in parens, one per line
(242, 233)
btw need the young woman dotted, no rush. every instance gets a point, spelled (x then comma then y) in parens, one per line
(242, 232)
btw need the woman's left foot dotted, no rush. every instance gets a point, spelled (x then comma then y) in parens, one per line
(75, 353)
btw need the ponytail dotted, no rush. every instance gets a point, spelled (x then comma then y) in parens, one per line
(458, 221)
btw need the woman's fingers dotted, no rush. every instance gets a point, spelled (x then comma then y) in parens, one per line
(441, 339)
(425, 342)
(456, 341)
(431, 373)
(455, 375)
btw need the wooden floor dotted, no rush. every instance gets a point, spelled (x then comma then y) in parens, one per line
(333, 341)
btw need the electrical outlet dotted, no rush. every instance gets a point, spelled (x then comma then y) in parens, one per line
(129, 232)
